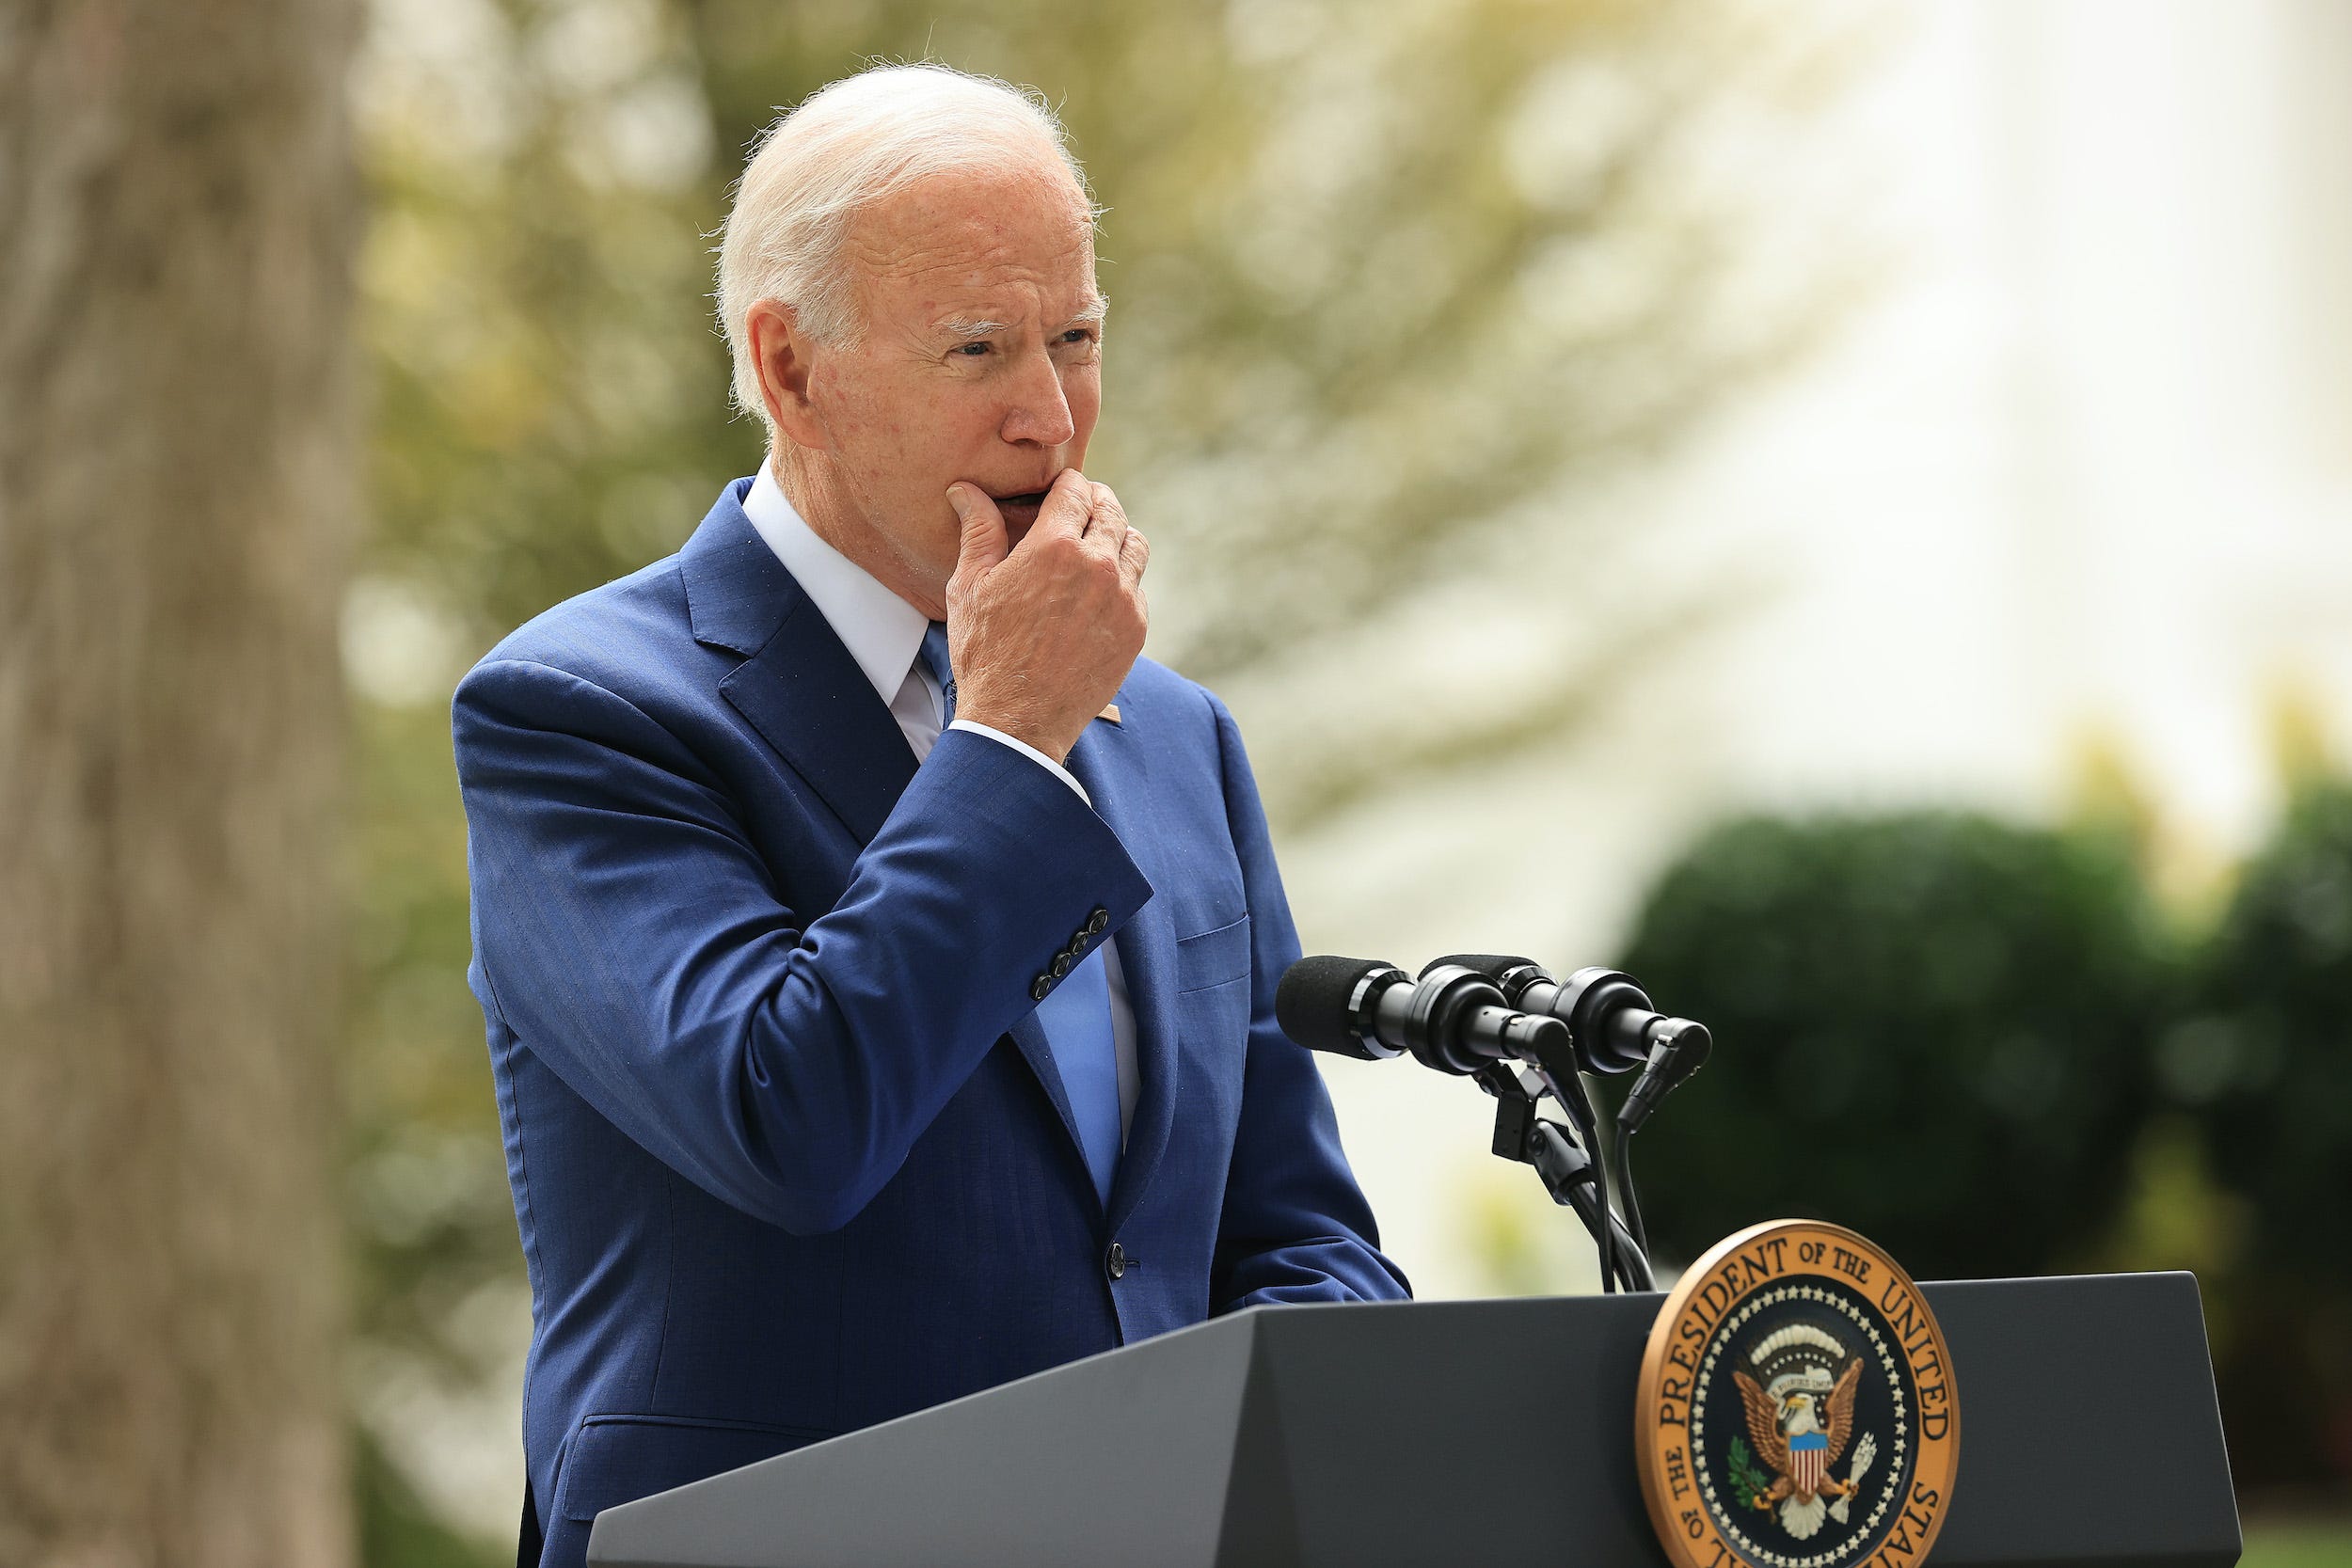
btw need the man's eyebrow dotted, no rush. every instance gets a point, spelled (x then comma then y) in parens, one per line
(970, 326)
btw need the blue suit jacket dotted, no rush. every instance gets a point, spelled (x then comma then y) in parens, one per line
(790, 1155)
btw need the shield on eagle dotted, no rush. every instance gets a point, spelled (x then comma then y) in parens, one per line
(1808, 1460)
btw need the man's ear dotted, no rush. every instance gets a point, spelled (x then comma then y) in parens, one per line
(780, 354)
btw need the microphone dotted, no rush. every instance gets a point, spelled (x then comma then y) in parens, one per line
(1452, 1018)
(1609, 1014)
(1610, 1017)
(1678, 1049)
(1458, 1020)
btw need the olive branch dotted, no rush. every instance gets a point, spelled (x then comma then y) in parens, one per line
(1748, 1482)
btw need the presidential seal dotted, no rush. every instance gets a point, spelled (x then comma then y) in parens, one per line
(1797, 1407)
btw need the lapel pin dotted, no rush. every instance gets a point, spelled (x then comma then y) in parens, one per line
(1110, 711)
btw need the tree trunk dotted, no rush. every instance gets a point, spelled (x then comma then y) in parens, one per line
(178, 208)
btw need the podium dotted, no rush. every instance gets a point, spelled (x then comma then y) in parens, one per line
(1459, 1432)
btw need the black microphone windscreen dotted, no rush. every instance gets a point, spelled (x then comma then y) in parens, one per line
(1492, 965)
(1311, 1003)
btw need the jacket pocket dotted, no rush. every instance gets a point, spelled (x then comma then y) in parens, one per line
(1213, 958)
(618, 1459)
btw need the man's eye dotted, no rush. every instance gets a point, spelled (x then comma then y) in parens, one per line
(1078, 335)
(972, 351)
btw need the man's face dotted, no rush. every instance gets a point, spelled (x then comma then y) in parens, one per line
(981, 360)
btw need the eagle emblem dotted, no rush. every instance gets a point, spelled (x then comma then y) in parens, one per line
(1800, 1416)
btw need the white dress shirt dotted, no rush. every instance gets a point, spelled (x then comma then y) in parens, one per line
(884, 635)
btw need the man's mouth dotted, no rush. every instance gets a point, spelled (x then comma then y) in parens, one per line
(1020, 512)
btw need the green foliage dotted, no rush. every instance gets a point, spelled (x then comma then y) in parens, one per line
(396, 1526)
(1748, 1480)
(426, 1191)
(2265, 1065)
(550, 400)
(1933, 1027)
(1970, 1041)
(2312, 1542)
(2266, 1059)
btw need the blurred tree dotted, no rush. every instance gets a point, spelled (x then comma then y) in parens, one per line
(178, 466)
(1383, 278)
(2265, 1062)
(1933, 1027)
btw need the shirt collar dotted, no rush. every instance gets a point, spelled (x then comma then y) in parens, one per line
(881, 631)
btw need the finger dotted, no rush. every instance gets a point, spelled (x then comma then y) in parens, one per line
(1065, 507)
(1107, 527)
(982, 545)
(1135, 554)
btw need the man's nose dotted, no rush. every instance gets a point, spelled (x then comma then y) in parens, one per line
(1040, 411)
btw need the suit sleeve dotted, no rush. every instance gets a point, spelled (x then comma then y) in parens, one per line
(631, 936)
(1295, 1227)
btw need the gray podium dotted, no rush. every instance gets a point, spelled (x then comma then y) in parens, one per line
(1457, 1432)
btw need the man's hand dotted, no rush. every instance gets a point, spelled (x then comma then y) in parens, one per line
(1041, 635)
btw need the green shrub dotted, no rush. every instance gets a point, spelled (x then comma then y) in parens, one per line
(1933, 1027)
(2264, 1064)
(2266, 1059)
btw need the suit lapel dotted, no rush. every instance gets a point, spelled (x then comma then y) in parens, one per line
(808, 698)
(1109, 760)
(1029, 1034)
(797, 686)
(801, 690)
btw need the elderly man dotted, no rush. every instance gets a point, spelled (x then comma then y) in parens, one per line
(878, 956)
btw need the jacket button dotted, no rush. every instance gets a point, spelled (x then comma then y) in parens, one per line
(1099, 921)
(1115, 1260)
(1038, 987)
(1079, 939)
(1062, 965)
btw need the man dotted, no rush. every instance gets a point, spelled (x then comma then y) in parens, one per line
(878, 957)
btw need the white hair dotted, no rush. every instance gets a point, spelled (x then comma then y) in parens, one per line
(846, 148)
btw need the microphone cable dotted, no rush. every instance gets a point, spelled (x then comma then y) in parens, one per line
(1570, 1091)
(1619, 1160)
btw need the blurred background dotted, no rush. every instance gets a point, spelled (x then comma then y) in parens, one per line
(1843, 511)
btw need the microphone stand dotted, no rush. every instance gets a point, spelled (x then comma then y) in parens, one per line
(1569, 1174)
(1569, 1086)
(1618, 1163)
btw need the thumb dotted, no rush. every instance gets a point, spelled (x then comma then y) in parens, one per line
(984, 545)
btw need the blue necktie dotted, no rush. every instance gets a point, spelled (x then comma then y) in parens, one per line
(935, 660)
(1075, 1014)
